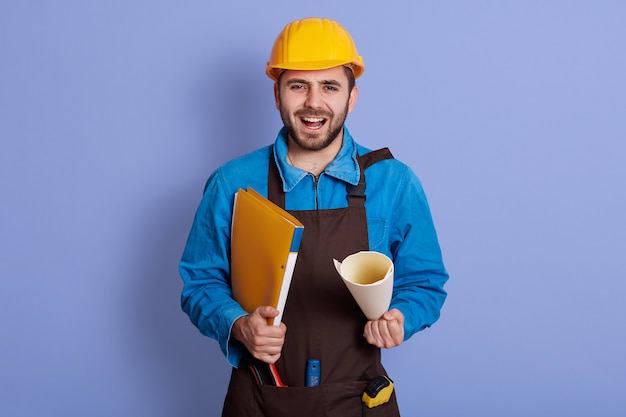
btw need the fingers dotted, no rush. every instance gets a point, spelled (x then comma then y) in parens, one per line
(263, 341)
(386, 332)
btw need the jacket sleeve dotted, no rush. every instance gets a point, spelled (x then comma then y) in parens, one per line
(204, 268)
(420, 274)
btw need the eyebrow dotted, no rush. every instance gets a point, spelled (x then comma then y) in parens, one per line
(322, 82)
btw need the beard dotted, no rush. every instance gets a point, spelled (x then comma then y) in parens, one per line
(313, 141)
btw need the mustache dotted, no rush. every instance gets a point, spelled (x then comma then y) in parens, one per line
(312, 113)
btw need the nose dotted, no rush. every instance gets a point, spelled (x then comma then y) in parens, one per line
(314, 98)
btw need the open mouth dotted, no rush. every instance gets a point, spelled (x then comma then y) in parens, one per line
(313, 122)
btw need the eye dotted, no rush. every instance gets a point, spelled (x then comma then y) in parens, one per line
(297, 87)
(331, 88)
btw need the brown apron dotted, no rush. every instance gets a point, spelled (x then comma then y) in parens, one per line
(323, 321)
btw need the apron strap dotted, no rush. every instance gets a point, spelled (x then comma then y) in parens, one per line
(275, 191)
(356, 193)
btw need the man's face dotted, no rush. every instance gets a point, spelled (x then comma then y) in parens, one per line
(314, 105)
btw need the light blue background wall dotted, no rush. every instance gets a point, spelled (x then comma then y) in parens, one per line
(113, 114)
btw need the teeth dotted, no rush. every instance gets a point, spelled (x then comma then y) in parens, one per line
(313, 119)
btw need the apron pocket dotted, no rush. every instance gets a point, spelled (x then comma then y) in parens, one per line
(340, 399)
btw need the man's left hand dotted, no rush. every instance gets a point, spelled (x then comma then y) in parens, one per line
(386, 332)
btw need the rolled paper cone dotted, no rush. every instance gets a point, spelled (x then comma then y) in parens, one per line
(368, 275)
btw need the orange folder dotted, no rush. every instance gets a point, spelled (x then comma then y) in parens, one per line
(264, 247)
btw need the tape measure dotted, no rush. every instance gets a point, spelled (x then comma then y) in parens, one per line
(378, 391)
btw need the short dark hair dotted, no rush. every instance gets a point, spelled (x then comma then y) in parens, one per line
(350, 74)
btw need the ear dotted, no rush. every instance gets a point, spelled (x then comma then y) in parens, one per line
(354, 95)
(277, 95)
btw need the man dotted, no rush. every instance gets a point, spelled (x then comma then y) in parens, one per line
(349, 199)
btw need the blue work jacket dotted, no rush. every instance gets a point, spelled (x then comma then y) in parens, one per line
(398, 219)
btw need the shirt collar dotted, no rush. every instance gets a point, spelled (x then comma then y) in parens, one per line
(344, 167)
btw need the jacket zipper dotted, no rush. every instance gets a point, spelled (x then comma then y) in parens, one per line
(316, 180)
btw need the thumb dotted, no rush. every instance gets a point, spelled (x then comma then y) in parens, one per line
(394, 314)
(267, 311)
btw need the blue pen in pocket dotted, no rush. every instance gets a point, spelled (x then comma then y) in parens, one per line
(312, 373)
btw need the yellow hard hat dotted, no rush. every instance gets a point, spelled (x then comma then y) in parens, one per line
(313, 44)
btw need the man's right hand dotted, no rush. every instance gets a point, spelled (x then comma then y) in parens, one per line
(263, 341)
